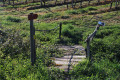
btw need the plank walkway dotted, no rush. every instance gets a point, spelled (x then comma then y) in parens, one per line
(75, 53)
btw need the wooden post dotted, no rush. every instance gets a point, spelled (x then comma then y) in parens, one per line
(111, 4)
(32, 42)
(32, 37)
(88, 48)
(60, 30)
(89, 38)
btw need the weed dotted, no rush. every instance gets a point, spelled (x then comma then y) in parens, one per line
(65, 17)
(72, 12)
(13, 19)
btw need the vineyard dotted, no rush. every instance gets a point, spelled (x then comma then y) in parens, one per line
(61, 30)
(52, 3)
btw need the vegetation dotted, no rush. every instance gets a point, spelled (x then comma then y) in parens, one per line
(77, 24)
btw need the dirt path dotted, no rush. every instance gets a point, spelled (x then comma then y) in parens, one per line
(72, 55)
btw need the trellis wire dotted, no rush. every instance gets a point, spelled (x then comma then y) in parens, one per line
(49, 29)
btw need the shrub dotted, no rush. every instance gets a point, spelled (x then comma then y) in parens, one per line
(92, 13)
(13, 19)
(72, 12)
(82, 11)
(102, 70)
(91, 8)
(49, 15)
(14, 44)
(73, 33)
(65, 17)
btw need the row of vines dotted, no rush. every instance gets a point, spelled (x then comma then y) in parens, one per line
(48, 3)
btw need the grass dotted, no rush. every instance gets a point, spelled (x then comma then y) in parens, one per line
(77, 24)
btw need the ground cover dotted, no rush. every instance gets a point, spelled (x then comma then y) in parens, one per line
(77, 24)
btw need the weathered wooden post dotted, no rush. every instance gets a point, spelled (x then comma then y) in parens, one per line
(32, 16)
(60, 30)
(89, 38)
(111, 4)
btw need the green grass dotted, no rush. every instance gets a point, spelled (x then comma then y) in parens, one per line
(15, 48)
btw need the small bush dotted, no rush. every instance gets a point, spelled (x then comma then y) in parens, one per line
(74, 33)
(92, 13)
(65, 17)
(72, 12)
(13, 19)
(91, 8)
(48, 15)
(102, 70)
(13, 44)
(83, 11)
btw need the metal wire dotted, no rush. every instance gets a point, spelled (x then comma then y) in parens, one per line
(49, 29)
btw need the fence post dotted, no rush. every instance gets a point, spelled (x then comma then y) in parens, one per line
(60, 30)
(89, 38)
(32, 16)
(88, 48)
